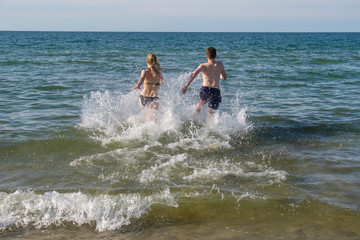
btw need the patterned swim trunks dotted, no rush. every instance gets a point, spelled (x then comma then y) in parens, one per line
(211, 95)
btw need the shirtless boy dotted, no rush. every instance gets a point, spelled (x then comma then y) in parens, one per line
(210, 91)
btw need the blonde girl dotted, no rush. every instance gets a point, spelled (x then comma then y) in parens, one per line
(152, 79)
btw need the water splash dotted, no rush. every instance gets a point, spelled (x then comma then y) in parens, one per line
(114, 116)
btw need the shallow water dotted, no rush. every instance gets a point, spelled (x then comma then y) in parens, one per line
(79, 160)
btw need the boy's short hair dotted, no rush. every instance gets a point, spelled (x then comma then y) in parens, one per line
(211, 52)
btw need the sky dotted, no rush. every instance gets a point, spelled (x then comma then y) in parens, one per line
(181, 15)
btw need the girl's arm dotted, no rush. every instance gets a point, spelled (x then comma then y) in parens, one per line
(161, 78)
(141, 81)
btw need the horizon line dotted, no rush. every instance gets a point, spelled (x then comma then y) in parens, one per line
(111, 31)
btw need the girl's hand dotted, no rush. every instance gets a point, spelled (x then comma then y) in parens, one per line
(184, 90)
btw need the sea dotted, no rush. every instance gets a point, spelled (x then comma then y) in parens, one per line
(80, 159)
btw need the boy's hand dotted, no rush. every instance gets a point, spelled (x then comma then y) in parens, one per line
(137, 88)
(184, 90)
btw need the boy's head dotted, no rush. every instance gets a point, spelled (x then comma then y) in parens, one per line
(211, 53)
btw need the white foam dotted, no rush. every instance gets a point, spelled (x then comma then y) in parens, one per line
(122, 154)
(213, 170)
(161, 171)
(105, 212)
(239, 197)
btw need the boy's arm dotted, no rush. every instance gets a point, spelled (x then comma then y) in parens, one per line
(141, 81)
(223, 72)
(192, 77)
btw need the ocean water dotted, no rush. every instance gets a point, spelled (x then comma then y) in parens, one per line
(279, 160)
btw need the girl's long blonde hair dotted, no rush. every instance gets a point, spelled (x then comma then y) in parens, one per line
(155, 67)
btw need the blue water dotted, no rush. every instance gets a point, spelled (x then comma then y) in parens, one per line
(280, 158)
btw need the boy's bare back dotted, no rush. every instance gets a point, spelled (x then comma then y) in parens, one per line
(212, 72)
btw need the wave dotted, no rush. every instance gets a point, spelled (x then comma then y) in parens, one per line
(103, 212)
(142, 211)
(137, 168)
(106, 212)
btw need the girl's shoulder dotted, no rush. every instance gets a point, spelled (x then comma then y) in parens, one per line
(145, 72)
